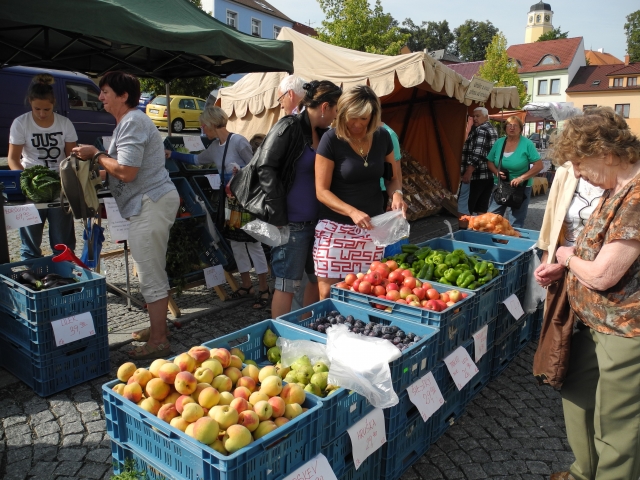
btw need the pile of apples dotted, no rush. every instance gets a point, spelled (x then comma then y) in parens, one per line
(211, 396)
(386, 280)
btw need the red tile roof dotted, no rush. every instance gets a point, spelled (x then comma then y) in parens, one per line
(304, 29)
(467, 69)
(531, 54)
(586, 76)
(600, 58)
(631, 69)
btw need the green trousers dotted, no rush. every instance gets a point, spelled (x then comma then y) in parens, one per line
(601, 402)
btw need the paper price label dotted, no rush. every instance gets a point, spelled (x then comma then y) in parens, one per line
(461, 367)
(367, 435)
(193, 143)
(317, 468)
(21, 216)
(480, 342)
(118, 226)
(214, 276)
(70, 329)
(425, 394)
(513, 305)
(214, 180)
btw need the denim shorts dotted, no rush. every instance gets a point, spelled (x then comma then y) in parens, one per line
(291, 260)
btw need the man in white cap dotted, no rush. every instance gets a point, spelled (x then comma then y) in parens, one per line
(290, 93)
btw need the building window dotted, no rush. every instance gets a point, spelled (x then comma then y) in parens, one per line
(617, 82)
(276, 31)
(232, 19)
(526, 85)
(549, 60)
(587, 107)
(256, 27)
(555, 86)
(622, 109)
(632, 81)
(543, 87)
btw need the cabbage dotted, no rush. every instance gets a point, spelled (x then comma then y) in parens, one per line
(40, 184)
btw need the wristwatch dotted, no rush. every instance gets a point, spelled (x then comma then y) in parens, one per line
(397, 191)
(566, 263)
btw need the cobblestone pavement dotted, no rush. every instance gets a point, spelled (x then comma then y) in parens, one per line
(513, 429)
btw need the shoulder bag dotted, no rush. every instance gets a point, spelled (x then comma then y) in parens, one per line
(506, 194)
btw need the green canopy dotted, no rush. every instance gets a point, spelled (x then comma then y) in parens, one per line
(165, 39)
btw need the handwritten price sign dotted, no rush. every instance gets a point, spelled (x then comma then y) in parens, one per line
(425, 394)
(317, 468)
(214, 181)
(480, 342)
(513, 305)
(73, 328)
(21, 216)
(118, 226)
(214, 276)
(461, 367)
(367, 435)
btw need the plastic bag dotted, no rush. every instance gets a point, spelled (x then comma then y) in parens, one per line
(292, 350)
(388, 228)
(361, 364)
(266, 233)
(534, 293)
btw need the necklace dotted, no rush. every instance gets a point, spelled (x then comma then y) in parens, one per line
(364, 156)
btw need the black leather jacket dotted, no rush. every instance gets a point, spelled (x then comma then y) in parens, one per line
(262, 186)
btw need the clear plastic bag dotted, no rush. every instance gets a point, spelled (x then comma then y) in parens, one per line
(534, 293)
(266, 233)
(292, 350)
(388, 228)
(361, 364)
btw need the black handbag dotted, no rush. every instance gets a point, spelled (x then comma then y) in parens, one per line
(505, 193)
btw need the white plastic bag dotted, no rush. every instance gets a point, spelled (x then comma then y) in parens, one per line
(388, 228)
(361, 364)
(292, 350)
(534, 293)
(267, 233)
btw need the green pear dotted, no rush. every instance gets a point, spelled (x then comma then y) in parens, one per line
(250, 362)
(302, 361)
(273, 354)
(320, 367)
(269, 339)
(313, 389)
(302, 376)
(320, 379)
(291, 377)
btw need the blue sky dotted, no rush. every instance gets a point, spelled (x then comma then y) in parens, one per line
(600, 23)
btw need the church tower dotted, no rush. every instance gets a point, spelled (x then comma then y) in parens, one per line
(539, 21)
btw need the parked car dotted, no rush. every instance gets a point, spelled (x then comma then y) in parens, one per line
(145, 98)
(76, 99)
(185, 112)
(535, 138)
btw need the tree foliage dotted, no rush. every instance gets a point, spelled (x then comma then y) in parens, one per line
(554, 34)
(428, 36)
(499, 68)
(472, 39)
(632, 31)
(354, 24)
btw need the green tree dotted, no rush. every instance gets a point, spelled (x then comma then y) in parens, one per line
(472, 39)
(499, 68)
(428, 36)
(354, 24)
(632, 30)
(554, 34)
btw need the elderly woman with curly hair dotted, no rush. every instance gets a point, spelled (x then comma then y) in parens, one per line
(601, 392)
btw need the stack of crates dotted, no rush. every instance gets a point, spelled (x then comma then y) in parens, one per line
(28, 348)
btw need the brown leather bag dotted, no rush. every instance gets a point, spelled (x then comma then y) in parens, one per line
(551, 360)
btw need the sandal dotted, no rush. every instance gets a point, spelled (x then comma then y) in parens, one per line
(261, 301)
(147, 351)
(247, 292)
(143, 335)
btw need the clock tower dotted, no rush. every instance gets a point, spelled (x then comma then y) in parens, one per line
(539, 21)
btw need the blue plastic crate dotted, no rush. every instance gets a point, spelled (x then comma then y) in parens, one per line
(369, 469)
(537, 319)
(453, 408)
(415, 361)
(528, 234)
(340, 410)
(43, 306)
(172, 167)
(505, 350)
(481, 379)
(53, 373)
(505, 320)
(203, 189)
(187, 194)
(11, 181)
(120, 455)
(526, 327)
(180, 456)
(39, 338)
(394, 248)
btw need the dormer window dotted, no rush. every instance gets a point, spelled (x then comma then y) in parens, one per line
(596, 83)
(617, 82)
(549, 60)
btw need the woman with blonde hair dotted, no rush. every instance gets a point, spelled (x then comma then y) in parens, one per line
(350, 161)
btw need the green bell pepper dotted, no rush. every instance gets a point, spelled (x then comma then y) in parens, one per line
(451, 274)
(409, 248)
(445, 281)
(440, 269)
(451, 260)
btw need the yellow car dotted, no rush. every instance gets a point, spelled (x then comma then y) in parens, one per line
(185, 112)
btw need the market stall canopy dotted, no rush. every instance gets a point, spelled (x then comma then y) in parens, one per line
(164, 39)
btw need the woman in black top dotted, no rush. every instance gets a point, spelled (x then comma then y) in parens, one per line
(349, 164)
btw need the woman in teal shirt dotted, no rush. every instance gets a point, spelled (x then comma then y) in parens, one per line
(522, 160)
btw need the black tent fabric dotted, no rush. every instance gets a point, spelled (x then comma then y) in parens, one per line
(164, 39)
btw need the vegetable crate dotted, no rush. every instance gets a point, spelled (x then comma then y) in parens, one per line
(339, 455)
(395, 248)
(44, 306)
(504, 319)
(528, 234)
(173, 452)
(188, 201)
(177, 142)
(55, 372)
(340, 410)
(453, 408)
(203, 188)
(369, 469)
(507, 347)
(415, 361)
(538, 317)
(11, 181)
(453, 322)
(172, 167)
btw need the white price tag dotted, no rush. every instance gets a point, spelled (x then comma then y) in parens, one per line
(317, 468)
(461, 367)
(367, 436)
(118, 226)
(513, 305)
(70, 329)
(214, 180)
(480, 342)
(425, 394)
(21, 216)
(106, 142)
(214, 276)
(193, 143)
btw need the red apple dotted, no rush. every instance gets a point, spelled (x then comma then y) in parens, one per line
(392, 286)
(409, 282)
(405, 292)
(433, 294)
(450, 304)
(418, 283)
(426, 286)
(373, 278)
(424, 303)
(384, 282)
(444, 297)
(396, 276)
(374, 265)
(412, 298)
(356, 285)
(349, 279)
(392, 264)
(404, 302)
(442, 305)
(364, 287)
(360, 275)
(464, 295)
(407, 273)
(379, 291)
(432, 305)
(419, 292)
(343, 285)
(414, 304)
(455, 295)
(393, 295)
(384, 270)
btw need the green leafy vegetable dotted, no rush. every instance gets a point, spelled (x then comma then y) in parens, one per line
(40, 184)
